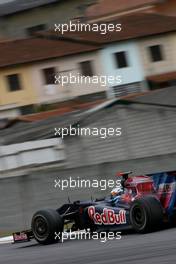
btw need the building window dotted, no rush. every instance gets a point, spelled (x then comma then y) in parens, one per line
(156, 53)
(86, 68)
(32, 30)
(49, 75)
(121, 59)
(27, 109)
(13, 82)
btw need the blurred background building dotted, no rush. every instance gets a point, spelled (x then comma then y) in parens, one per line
(32, 105)
(20, 18)
(103, 9)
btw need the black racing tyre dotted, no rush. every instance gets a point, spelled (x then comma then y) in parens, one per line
(47, 226)
(146, 214)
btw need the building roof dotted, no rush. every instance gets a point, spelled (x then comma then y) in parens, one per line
(133, 26)
(108, 7)
(163, 77)
(31, 50)
(14, 52)
(43, 128)
(41, 125)
(163, 98)
(23, 5)
(67, 107)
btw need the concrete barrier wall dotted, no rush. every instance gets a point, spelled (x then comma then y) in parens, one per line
(29, 153)
(21, 196)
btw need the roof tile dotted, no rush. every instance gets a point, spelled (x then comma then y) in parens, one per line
(107, 7)
(30, 50)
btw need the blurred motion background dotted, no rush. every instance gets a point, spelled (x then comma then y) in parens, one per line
(32, 105)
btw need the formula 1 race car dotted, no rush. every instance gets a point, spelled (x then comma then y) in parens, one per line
(141, 204)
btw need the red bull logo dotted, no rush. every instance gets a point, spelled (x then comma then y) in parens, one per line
(108, 217)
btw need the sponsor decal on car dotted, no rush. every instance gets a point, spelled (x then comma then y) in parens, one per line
(20, 237)
(108, 217)
(167, 187)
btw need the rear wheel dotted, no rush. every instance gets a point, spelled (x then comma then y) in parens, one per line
(47, 226)
(146, 214)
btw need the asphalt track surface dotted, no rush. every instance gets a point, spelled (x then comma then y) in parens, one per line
(158, 247)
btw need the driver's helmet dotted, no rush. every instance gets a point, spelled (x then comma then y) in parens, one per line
(116, 192)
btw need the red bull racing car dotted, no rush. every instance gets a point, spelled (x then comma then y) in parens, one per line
(144, 203)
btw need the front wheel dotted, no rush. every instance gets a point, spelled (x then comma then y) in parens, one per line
(47, 226)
